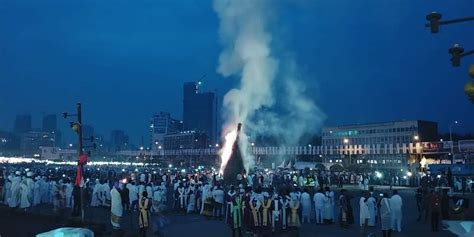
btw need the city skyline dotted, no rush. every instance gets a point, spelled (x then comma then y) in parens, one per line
(400, 72)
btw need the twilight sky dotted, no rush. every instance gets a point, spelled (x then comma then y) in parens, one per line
(362, 61)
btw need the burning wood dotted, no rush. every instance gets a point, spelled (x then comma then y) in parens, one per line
(231, 158)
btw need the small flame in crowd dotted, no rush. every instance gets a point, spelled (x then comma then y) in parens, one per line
(226, 150)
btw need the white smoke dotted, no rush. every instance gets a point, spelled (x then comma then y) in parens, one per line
(247, 40)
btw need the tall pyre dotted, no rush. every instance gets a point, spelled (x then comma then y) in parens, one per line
(231, 157)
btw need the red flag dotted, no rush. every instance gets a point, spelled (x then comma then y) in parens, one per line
(80, 172)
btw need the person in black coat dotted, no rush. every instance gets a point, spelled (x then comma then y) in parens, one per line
(124, 194)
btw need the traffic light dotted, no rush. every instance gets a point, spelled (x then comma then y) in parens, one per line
(456, 52)
(434, 18)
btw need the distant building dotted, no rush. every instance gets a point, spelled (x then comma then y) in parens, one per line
(199, 110)
(50, 123)
(22, 124)
(398, 132)
(33, 140)
(160, 125)
(87, 131)
(8, 141)
(118, 140)
(186, 140)
(101, 144)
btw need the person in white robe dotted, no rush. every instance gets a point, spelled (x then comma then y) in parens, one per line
(205, 195)
(52, 192)
(24, 195)
(385, 215)
(95, 202)
(44, 189)
(116, 208)
(318, 200)
(141, 189)
(37, 191)
(132, 195)
(364, 215)
(8, 190)
(15, 190)
(306, 206)
(142, 178)
(181, 197)
(360, 182)
(106, 194)
(396, 205)
(191, 202)
(68, 194)
(372, 204)
(366, 183)
(329, 206)
(150, 190)
(156, 200)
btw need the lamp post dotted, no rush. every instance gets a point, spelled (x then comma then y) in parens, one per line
(451, 139)
(416, 139)
(346, 141)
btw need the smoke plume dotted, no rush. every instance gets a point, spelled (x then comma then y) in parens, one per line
(245, 33)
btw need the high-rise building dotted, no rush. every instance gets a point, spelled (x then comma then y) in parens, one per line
(50, 123)
(199, 110)
(118, 140)
(87, 131)
(160, 125)
(22, 123)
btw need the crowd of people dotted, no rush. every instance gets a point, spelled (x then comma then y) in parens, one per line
(262, 203)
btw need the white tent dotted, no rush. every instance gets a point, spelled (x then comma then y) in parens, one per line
(301, 165)
(282, 165)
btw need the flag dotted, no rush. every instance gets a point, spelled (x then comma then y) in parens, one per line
(80, 171)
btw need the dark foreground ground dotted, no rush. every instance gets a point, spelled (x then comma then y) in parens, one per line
(42, 219)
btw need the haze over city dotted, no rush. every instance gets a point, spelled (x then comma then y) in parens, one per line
(128, 60)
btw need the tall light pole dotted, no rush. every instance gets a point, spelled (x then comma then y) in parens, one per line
(451, 139)
(416, 139)
(346, 141)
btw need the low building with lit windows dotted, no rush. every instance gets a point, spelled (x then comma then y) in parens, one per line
(396, 134)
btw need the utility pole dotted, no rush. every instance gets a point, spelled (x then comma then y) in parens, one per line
(77, 127)
(79, 135)
(79, 131)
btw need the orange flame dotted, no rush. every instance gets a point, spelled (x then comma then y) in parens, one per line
(226, 150)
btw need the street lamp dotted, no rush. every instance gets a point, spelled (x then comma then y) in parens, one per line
(451, 139)
(346, 141)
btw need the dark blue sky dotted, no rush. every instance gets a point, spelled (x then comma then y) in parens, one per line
(364, 61)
